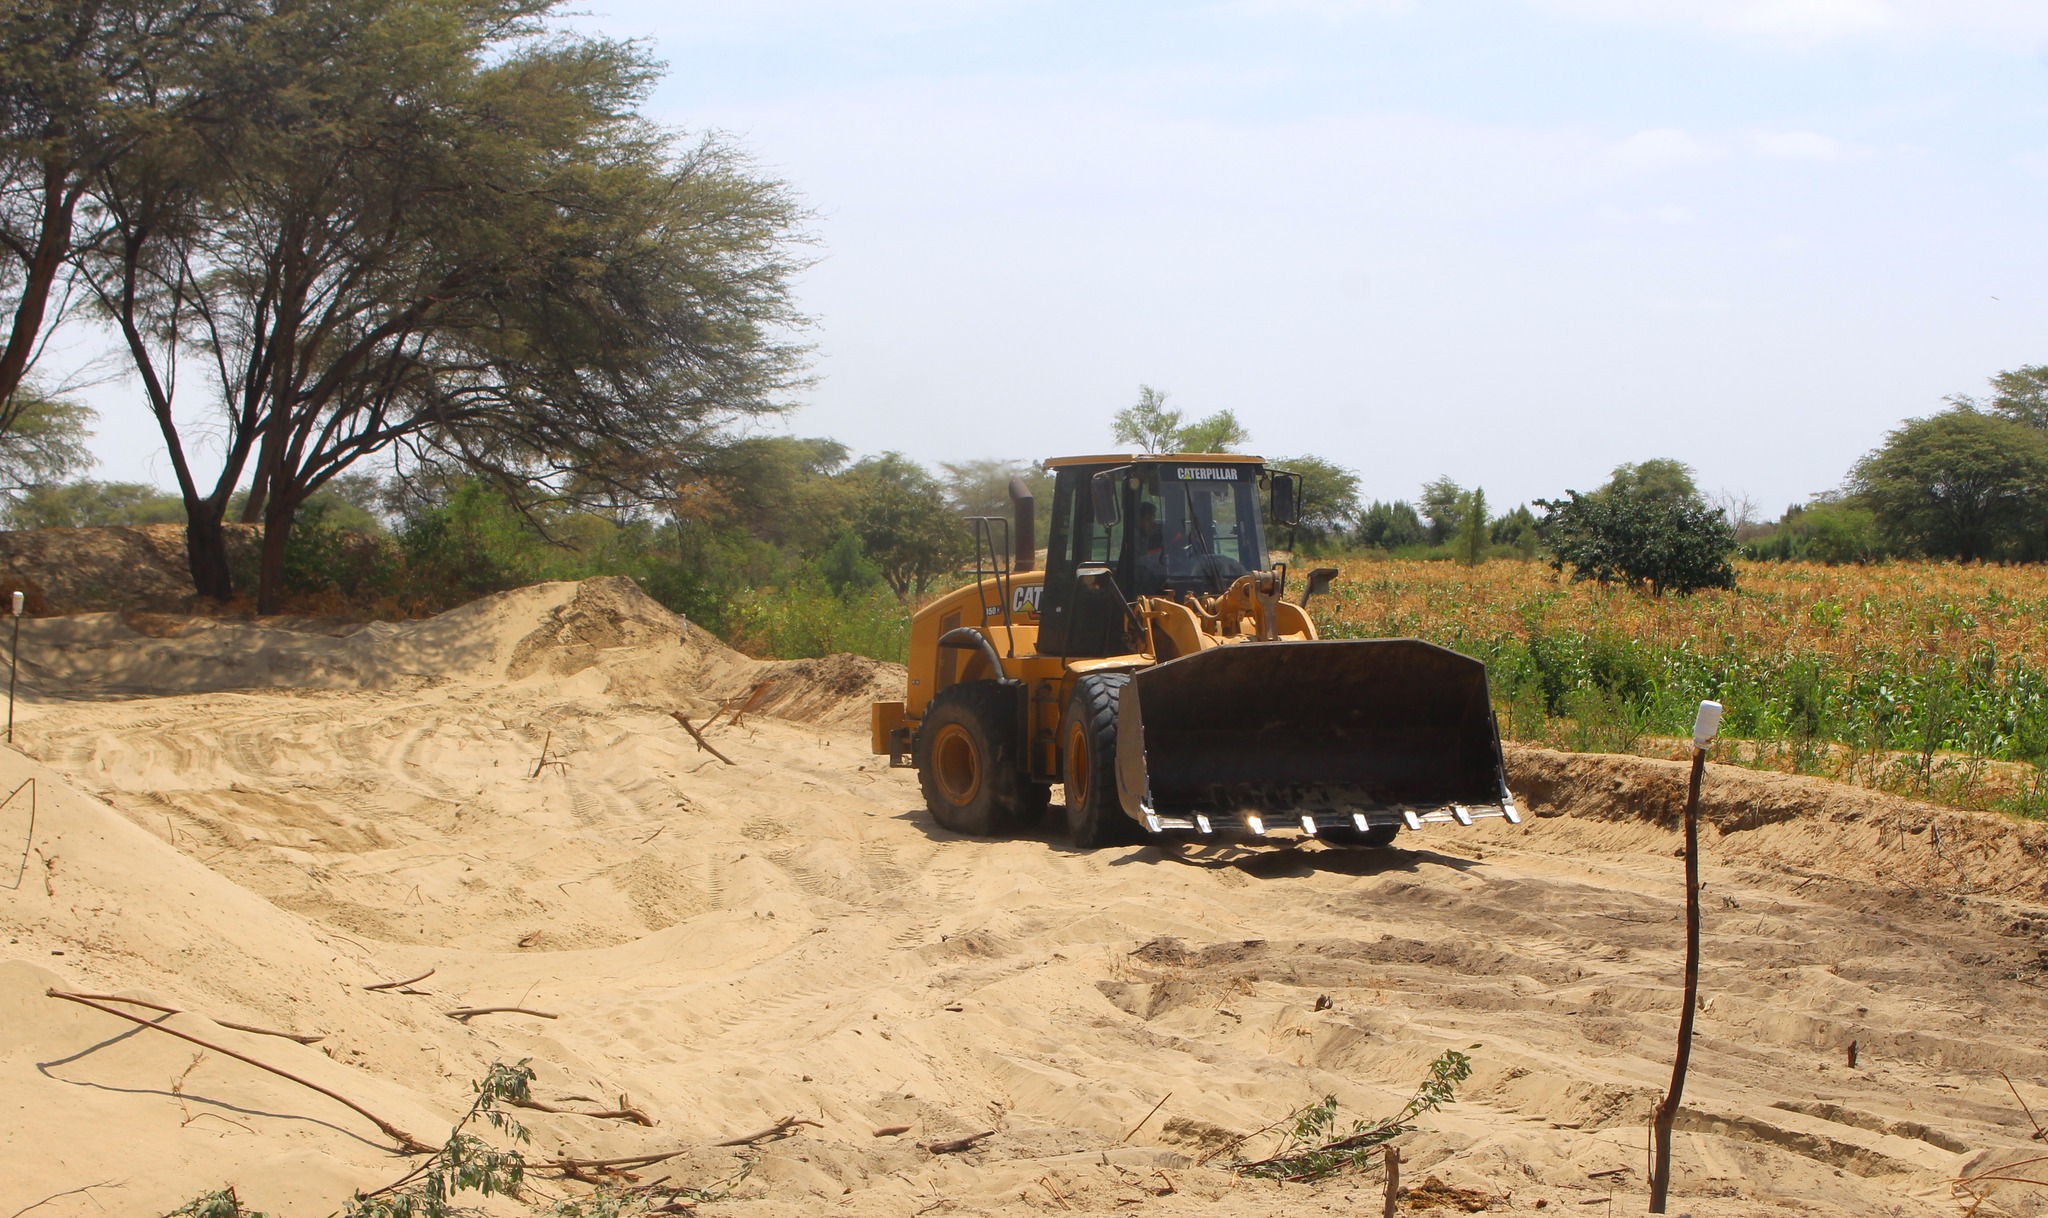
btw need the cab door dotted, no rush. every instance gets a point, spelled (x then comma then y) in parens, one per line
(1075, 620)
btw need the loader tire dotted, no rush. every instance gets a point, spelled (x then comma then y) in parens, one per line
(966, 757)
(1095, 817)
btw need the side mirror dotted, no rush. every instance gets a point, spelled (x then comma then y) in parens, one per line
(1286, 499)
(1094, 576)
(1319, 581)
(1104, 489)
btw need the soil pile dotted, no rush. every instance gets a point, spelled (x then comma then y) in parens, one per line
(252, 826)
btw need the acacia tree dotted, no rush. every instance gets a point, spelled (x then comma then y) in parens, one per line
(436, 227)
(81, 82)
(1958, 484)
(900, 515)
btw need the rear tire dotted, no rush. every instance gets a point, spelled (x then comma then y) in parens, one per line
(966, 757)
(1095, 816)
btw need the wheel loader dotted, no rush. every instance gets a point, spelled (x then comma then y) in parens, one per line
(1155, 667)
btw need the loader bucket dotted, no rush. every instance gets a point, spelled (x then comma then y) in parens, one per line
(1344, 736)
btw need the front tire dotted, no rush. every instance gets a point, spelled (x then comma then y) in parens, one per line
(1095, 816)
(966, 757)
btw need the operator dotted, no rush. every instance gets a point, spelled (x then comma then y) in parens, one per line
(1151, 550)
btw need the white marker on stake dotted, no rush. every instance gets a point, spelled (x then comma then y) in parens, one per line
(1706, 725)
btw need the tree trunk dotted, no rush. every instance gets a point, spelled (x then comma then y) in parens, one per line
(259, 489)
(53, 240)
(277, 529)
(206, 551)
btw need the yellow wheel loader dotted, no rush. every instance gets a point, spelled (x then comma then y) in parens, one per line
(1155, 668)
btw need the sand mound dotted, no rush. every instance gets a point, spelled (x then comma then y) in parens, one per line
(501, 796)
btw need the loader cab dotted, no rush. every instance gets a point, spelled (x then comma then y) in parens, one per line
(1174, 526)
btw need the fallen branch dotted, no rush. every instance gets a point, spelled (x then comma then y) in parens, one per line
(1148, 1116)
(574, 1168)
(406, 1142)
(69, 1192)
(28, 846)
(957, 1145)
(739, 719)
(779, 1129)
(621, 1113)
(400, 985)
(571, 1167)
(302, 1037)
(465, 1014)
(891, 1131)
(698, 736)
(2039, 1133)
(544, 763)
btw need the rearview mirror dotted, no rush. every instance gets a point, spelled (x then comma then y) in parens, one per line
(1103, 490)
(1286, 498)
(1094, 576)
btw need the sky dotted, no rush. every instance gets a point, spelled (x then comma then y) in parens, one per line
(1515, 242)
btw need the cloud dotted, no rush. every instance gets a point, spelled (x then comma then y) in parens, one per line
(1808, 146)
(1659, 147)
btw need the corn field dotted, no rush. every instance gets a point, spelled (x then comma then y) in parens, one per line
(1926, 679)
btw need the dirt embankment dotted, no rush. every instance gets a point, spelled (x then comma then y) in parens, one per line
(253, 823)
(126, 567)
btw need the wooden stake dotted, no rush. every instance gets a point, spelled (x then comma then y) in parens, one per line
(1667, 1112)
(1393, 1180)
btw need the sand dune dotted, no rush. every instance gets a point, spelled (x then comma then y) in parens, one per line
(253, 822)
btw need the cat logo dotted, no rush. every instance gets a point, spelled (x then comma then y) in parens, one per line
(1025, 600)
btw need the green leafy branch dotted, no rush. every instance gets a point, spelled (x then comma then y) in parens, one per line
(466, 1162)
(1315, 1147)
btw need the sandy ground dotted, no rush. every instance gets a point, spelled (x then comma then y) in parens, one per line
(250, 823)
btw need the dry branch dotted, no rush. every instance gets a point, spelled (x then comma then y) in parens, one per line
(957, 1145)
(739, 718)
(621, 1113)
(698, 736)
(302, 1037)
(574, 1167)
(465, 1014)
(406, 1142)
(544, 763)
(400, 985)
(779, 1129)
(891, 1131)
(28, 846)
(1148, 1116)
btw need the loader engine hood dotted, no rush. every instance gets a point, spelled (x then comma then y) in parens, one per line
(1385, 729)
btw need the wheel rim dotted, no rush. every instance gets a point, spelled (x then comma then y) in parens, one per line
(956, 764)
(1077, 766)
